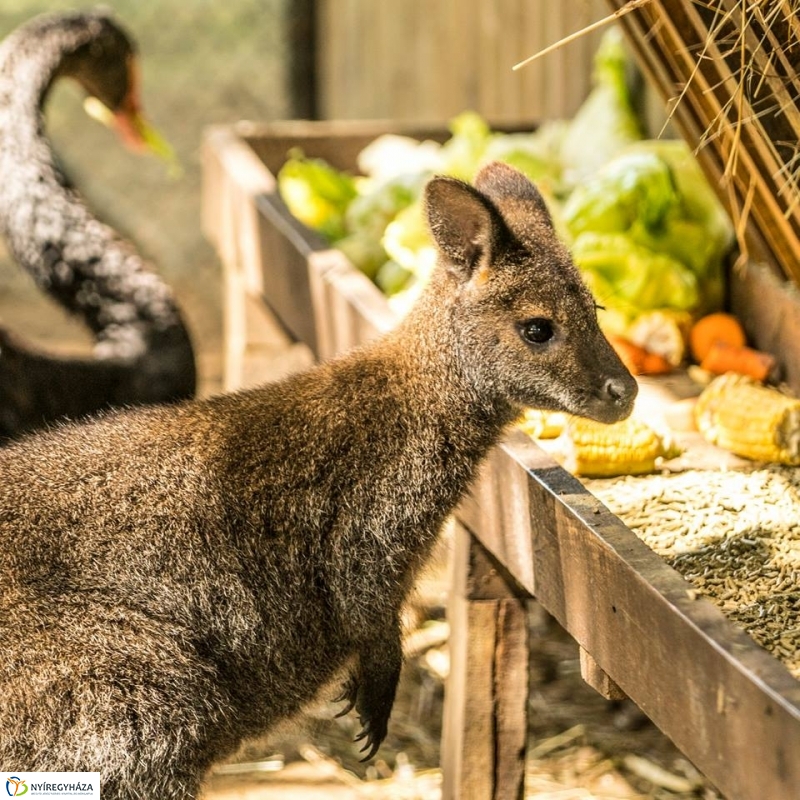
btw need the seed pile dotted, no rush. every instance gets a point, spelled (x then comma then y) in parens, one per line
(734, 535)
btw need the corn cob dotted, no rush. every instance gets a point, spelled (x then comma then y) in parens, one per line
(595, 450)
(752, 420)
(662, 332)
(543, 424)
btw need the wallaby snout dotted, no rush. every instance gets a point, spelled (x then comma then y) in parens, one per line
(620, 394)
(614, 401)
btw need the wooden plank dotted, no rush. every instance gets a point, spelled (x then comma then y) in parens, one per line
(233, 328)
(598, 678)
(329, 59)
(487, 577)
(731, 707)
(348, 309)
(212, 205)
(300, 26)
(412, 91)
(416, 60)
(268, 354)
(497, 509)
(489, 24)
(532, 79)
(485, 715)
(255, 348)
(336, 141)
(468, 722)
(468, 718)
(232, 178)
(286, 245)
(769, 308)
(555, 79)
(511, 688)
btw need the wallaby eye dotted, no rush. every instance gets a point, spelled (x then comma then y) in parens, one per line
(537, 330)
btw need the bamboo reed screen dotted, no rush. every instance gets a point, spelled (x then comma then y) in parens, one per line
(729, 70)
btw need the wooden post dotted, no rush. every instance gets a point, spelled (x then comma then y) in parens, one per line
(485, 716)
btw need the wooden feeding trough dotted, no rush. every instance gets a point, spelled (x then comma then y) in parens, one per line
(529, 529)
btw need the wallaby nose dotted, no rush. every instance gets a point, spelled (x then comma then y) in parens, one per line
(617, 396)
(615, 389)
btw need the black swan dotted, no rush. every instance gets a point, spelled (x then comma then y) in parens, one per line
(143, 352)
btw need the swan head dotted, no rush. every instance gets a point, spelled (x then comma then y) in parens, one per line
(107, 67)
(104, 62)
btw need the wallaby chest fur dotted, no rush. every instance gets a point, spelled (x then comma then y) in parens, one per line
(177, 579)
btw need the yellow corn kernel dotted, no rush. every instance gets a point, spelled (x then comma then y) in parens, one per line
(749, 419)
(543, 424)
(630, 447)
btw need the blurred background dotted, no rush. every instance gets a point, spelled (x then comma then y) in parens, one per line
(203, 62)
(206, 62)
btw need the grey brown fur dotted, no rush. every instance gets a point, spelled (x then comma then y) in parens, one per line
(176, 579)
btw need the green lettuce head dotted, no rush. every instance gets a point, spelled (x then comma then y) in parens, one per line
(631, 277)
(316, 193)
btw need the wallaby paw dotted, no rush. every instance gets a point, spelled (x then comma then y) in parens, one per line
(348, 695)
(374, 720)
(373, 714)
(372, 735)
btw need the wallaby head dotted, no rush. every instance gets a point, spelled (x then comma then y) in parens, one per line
(526, 323)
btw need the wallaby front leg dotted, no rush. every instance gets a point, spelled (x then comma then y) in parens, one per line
(375, 685)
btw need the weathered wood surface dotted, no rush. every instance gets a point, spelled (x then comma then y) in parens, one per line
(485, 716)
(255, 243)
(730, 706)
(769, 308)
(598, 678)
(336, 141)
(413, 59)
(347, 309)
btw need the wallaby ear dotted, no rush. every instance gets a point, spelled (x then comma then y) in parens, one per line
(500, 182)
(465, 225)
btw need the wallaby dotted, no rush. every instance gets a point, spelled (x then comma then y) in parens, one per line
(178, 578)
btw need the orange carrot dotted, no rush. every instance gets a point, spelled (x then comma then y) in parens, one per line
(717, 327)
(655, 364)
(638, 360)
(724, 357)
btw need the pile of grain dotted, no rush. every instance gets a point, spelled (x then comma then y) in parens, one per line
(734, 535)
